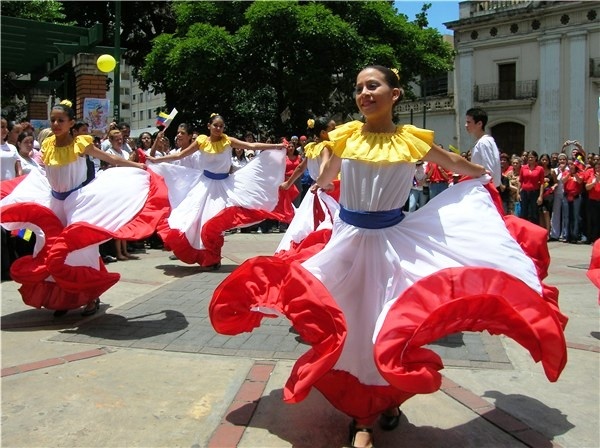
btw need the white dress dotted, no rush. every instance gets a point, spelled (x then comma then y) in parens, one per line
(207, 202)
(315, 213)
(71, 218)
(372, 297)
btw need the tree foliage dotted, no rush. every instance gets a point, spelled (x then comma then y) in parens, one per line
(259, 62)
(41, 10)
(264, 65)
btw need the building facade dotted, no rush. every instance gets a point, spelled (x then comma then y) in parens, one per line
(137, 107)
(534, 66)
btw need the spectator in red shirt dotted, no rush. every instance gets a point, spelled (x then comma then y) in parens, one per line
(592, 185)
(531, 179)
(438, 179)
(573, 186)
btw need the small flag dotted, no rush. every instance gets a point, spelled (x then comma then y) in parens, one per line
(454, 149)
(579, 163)
(165, 119)
(24, 234)
(162, 119)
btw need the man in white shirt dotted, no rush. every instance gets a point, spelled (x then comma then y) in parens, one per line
(485, 152)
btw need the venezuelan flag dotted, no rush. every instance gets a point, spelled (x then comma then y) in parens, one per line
(25, 234)
(162, 119)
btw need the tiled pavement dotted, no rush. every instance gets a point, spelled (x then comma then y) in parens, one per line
(175, 318)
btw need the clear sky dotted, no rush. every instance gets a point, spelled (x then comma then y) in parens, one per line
(441, 11)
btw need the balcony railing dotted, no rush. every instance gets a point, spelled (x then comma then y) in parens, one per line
(520, 90)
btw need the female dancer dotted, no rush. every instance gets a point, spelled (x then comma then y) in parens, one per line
(71, 217)
(318, 208)
(206, 203)
(385, 285)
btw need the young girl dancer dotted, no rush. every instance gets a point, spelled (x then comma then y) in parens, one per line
(72, 214)
(209, 202)
(385, 284)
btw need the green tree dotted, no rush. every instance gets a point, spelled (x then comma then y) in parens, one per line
(41, 10)
(261, 61)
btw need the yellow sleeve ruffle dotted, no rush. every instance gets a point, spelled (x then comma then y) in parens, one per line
(313, 150)
(53, 155)
(206, 145)
(407, 144)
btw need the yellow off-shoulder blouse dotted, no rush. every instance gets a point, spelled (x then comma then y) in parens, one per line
(313, 150)
(206, 145)
(407, 144)
(53, 155)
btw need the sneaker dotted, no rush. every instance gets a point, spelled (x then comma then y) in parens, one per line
(173, 257)
(109, 259)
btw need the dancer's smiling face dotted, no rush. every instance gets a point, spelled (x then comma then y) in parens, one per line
(60, 122)
(373, 95)
(216, 127)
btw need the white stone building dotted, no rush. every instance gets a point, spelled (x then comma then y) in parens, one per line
(534, 66)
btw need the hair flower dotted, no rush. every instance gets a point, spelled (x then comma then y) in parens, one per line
(66, 103)
(213, 114)
(395, 70)
(310, 123)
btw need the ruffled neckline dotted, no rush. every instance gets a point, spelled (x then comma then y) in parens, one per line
(53, 155)
(206, 145)
(407, 143)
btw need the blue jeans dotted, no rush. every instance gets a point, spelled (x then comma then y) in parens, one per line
(416, 200)
(570, 218)
(437, 188)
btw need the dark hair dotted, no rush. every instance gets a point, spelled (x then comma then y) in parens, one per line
(241, 156)
(321, 124)
(534, 154)
(213, 117)
(478, 114)
(23, 135)
(392, 78)
(11, 124)
(123, 124)
(79, 124)
(186, 127)
(139, 142)
(65, 106)
(545, 155)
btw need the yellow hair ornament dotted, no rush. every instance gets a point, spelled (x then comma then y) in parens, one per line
(66, 103)
(395, 70)
(213, 114)
(310, 123)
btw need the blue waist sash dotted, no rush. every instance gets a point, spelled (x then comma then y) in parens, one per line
(216, 176)
(62, 195)
(372, 220)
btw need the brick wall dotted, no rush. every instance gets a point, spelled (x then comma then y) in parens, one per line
(89, 81)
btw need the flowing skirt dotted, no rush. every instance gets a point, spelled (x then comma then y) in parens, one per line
(370, 300)
(311, 226)
(204, 208)
(65, 270)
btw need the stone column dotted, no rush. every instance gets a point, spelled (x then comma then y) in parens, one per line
(90, 82)
(549, 93)
(577, 73)
(465, 86)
